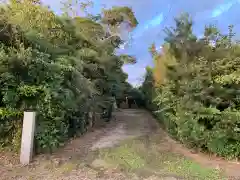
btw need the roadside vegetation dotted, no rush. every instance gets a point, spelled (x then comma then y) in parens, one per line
(193, 87)
(64, 67)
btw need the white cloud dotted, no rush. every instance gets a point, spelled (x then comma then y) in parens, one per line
(220, 9)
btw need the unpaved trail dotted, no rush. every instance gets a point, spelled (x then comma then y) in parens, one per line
(131, 124)
(132, 147)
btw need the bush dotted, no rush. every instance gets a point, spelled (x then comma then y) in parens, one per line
(59, 66)
(204, 109)
(10, 129)
(200, 96)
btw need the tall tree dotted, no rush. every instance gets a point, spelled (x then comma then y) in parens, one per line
(199, 99)
(61, 66)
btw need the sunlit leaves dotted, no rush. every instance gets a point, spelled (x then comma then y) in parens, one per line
(117, 15)
(199, 100)
(61, 66)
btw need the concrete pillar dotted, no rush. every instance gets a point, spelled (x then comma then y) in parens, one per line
(27, 137)
(115, 104)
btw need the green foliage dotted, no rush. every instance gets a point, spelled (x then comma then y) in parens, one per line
(62, 67)
(148, 90)
(117, 15)
(10, 131)
(200, 98)
(136, 95)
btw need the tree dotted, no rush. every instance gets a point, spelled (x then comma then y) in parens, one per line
(199, 99)
(63, 67)
(147, 88)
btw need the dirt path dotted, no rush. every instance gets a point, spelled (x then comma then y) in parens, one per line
(132, 147)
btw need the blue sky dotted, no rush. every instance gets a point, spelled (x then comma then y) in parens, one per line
(154, 15)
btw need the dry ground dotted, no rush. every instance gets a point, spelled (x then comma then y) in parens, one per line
(132, 147)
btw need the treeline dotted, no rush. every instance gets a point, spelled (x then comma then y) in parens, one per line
(61, 66)
(194, 88)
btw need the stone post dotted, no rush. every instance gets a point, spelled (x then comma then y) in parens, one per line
(27, 137)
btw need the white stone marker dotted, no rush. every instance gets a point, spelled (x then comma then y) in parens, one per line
(27, 137)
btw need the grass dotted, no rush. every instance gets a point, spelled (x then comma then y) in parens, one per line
(124, 156)
(67, 167)
(141, 157)
(146, 158)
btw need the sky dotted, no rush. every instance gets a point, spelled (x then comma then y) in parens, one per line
(154, 15)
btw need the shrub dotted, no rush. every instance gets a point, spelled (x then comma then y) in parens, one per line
(10, 129)
(200, 97)
(59, 66)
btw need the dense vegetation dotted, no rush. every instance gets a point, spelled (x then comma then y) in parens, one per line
(195, 85)
(61, 66)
